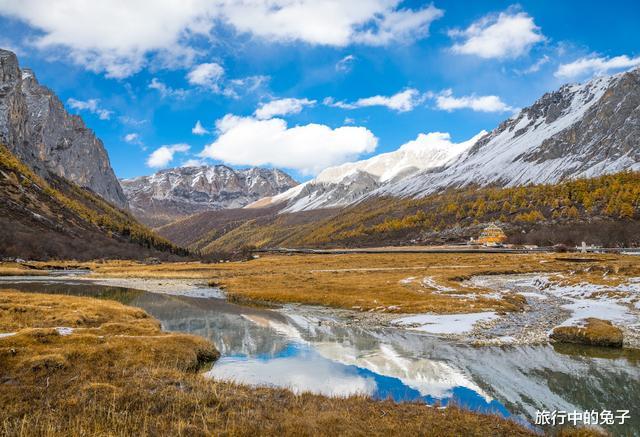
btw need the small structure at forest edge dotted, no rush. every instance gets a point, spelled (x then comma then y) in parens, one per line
(492, 235)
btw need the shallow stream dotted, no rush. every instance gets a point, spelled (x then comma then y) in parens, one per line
(308, 351)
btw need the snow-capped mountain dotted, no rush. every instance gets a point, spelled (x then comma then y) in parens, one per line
(345, 184)
(580, 130)
(178, 192)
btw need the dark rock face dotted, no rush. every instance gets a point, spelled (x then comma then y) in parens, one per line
(609, 131)
(178, 192)
(36, 127)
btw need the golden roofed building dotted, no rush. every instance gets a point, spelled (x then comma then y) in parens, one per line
(492, 235)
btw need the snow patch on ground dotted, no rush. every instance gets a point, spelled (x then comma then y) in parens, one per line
(445, 323)
(64, 331)
(429, 282)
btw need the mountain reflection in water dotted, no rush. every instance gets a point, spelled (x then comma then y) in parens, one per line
(312, 353)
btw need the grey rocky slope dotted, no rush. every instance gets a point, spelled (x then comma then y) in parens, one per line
(175, 193)
(35, 126)
(580, 130)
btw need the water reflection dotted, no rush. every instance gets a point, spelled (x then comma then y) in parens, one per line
(308, 352)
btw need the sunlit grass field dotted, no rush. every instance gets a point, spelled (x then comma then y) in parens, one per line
(117, 374)
(399, 283)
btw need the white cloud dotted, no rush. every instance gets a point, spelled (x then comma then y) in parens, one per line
(193, 163)
(345, 64)
(125, 119)
(281, 107)
(402, 102)
(132, 138)
(309, 148)
(332, 23)
(121, 37)
(234, 88)
(198, 129)
(92, 106)
(207, 75)
(115, 36)
(507, 35)
(446, 101)
(162, 156)
(536, 66)
(596, 65)
(165, 90)
(400, 25)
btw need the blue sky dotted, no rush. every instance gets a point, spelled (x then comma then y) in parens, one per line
(335, 81)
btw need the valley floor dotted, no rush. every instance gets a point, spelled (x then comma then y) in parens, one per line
(82, 366)
(477, 297)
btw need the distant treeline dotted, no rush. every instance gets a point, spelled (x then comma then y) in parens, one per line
(602, 210)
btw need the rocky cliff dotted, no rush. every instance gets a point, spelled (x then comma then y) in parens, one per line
(178, 192)
(35, 126)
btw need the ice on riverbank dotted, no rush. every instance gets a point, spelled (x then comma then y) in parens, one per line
(445, 323)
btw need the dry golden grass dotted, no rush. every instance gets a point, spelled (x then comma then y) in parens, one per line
(15, 269)
(118, 375)
(596, 332)
(379, 281)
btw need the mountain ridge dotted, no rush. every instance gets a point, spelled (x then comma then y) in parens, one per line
(172, 194)
(345, 184)
(36, 127)
(578, 130)
(56, 218)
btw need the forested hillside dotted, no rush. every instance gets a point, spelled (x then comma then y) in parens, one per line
(55, 218)
(602, 210)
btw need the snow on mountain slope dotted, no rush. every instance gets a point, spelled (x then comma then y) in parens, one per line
(347, 183)
(581, 130)
(178, 192)
(427, 151)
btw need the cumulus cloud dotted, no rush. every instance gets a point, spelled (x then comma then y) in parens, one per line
(162, 156)
(345, 64)
(198, 129)
(589, 66)
(207, 75)
(281, 107)
(448, 102)
(332, 23)
(121, 37)
(92, 106)
(403, 101)
(308, 148)
(507, 35)
(115, 36)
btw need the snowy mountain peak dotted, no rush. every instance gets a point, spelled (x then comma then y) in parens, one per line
(176, 192)
(580, 130)
(346, 183)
